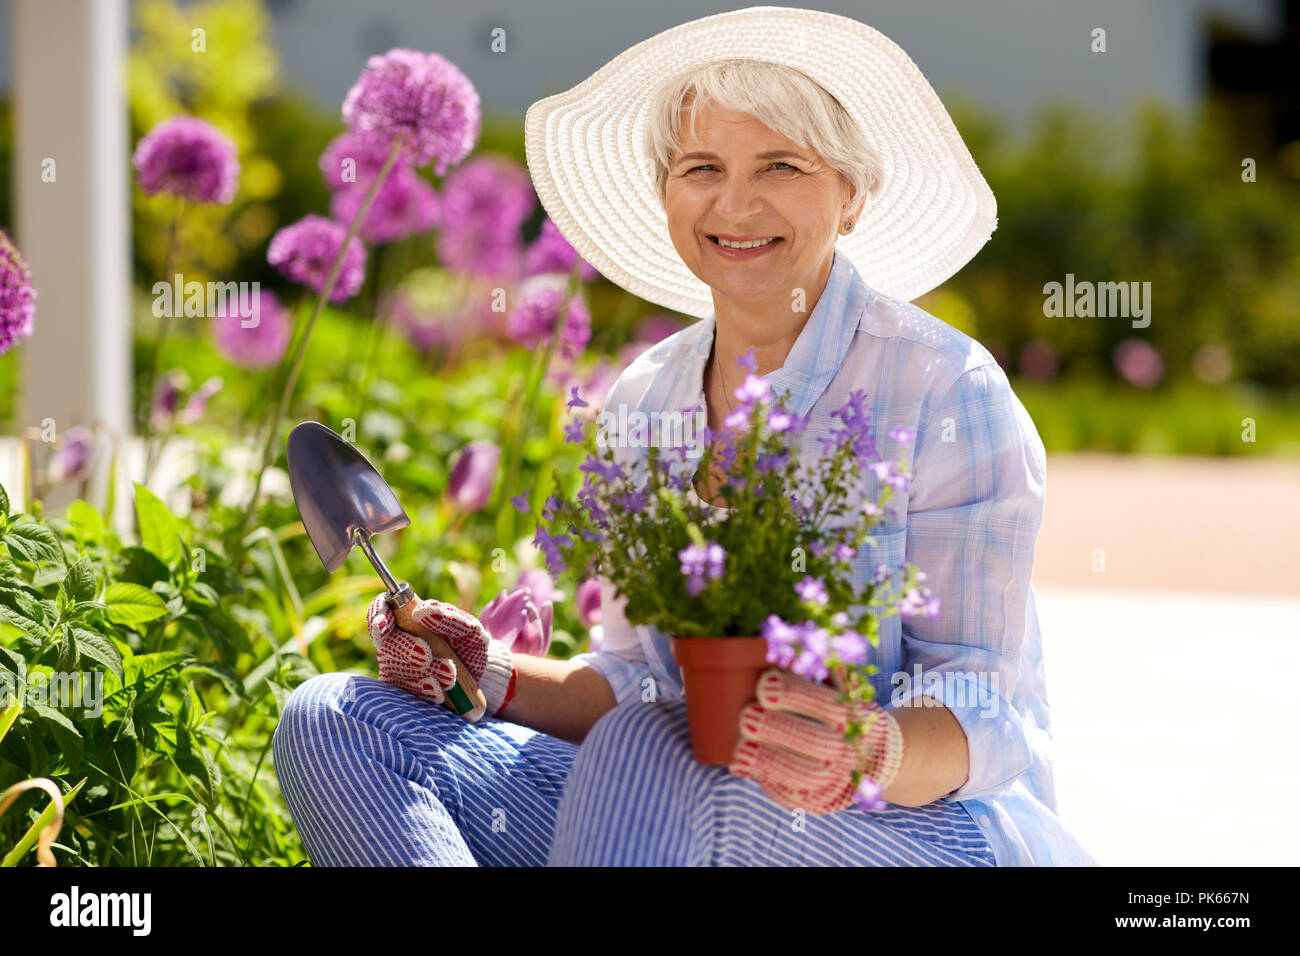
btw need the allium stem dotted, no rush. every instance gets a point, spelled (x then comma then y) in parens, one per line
(524, 411)
(287, 391)
(169, 266)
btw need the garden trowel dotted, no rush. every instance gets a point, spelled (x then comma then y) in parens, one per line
(343, 502)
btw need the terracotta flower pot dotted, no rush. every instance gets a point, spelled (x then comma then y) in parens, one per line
(718, 677)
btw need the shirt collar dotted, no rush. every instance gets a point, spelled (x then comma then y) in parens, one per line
(812, 363)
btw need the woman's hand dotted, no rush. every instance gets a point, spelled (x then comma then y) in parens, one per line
(407, 661)
(792, 742)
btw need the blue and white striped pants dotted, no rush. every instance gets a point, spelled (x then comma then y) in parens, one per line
(373, 775)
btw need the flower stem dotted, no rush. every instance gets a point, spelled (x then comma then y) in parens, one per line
(169, 265)
(296, 365)
(524, 417)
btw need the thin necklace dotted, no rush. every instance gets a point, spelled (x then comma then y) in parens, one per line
(722, 378)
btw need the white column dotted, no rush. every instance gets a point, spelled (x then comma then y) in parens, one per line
(70, 108)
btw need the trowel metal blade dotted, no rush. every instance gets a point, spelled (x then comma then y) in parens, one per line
(338, 491)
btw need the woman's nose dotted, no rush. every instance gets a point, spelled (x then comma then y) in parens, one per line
(738, 198)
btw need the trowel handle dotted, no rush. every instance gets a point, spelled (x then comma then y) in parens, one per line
(464, 697)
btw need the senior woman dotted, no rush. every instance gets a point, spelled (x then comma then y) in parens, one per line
(789, 177)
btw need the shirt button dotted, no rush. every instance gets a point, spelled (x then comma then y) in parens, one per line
(984, 821)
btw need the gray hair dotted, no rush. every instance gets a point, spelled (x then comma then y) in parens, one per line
(781, 97)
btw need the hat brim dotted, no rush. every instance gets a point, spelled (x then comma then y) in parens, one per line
(585, 152)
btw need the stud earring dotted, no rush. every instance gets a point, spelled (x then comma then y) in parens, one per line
(848, 226)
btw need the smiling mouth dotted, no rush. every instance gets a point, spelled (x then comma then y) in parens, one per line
(748, 244)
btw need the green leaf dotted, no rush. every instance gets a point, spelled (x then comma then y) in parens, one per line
(65, 732)
(145, 666)
(131, 604)
(139, 566)
(80, 581)
(22, 611)
(100, 649)
(228, 678)
(158, 529)
(85, 520)
(69, 656)
(34, 543)
(4, 501)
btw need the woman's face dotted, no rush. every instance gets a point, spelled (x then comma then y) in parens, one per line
(739, 179)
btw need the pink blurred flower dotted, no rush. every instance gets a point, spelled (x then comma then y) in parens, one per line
(253, 346)
(656, 327)
(72, 460)
(1037, 361)
(198, 404)
(1138, 363)
(473, 475)
(551, 252)
(405, 205)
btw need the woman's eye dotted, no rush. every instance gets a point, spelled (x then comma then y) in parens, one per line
(786, 165)
(705, 166)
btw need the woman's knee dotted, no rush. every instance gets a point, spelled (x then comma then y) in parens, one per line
(638, 727)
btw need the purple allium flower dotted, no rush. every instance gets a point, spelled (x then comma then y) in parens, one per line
(520, 501)
(476, 252)
(702, 564)
(532, 322)
(812, 590)
(551, 252)
(404, 206)
(304, 252)
(1037, 361)
(851, 647)
(588, 602)
(72, 461)
(867, 796)
(473, 475)
(262, 343)
(17, 295)
(1139, 363)
(189, 157)
(516, 621)
(353, 159)
(420, 100)
(491, 193)
(656, 327)
(484, 203)
(198, 403)
(166, 395)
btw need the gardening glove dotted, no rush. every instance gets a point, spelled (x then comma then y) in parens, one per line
(407, 661)
(792, 742)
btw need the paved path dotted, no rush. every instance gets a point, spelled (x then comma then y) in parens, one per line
(1168, 672)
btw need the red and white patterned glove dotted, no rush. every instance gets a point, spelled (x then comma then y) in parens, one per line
(407, 661)
(792, 742)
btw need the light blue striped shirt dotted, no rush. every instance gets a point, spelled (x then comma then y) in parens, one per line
(969, 522)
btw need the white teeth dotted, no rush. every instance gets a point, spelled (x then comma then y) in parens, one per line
(745, 245)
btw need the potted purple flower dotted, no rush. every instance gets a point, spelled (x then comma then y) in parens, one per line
(777, 577)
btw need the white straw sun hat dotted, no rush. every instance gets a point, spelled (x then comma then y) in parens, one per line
(589, 166)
